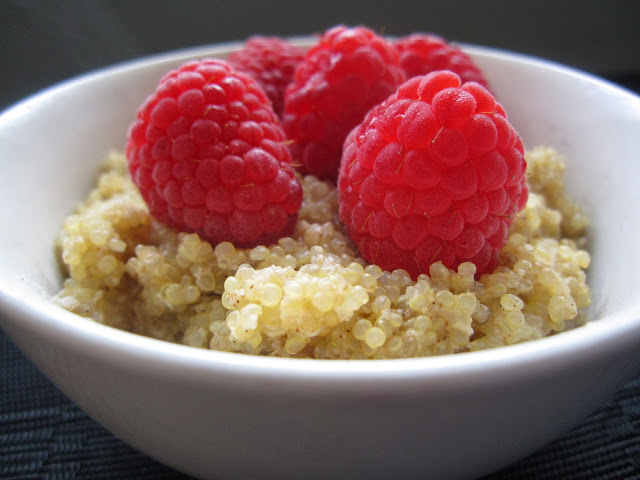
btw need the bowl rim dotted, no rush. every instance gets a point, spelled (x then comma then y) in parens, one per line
(600, 336)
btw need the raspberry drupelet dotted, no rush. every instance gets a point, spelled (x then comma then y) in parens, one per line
(348, 71)
(422, 53)
(271, 61)
(208, 155)
(434, 173)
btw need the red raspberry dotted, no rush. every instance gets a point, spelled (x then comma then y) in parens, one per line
(207, 155)
(421, 53)
(348, 71)
(434, 173)
(271, 61)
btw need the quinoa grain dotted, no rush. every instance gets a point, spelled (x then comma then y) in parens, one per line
(310, 295)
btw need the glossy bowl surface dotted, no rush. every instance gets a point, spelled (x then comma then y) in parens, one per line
(221, 415)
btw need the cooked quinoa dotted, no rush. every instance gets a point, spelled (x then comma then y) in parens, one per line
(310, 295)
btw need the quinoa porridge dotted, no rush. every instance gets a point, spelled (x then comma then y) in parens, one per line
(310, 295)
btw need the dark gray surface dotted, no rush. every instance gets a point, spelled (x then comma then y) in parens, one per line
(45, 436)
(42, 42)
(42, 434)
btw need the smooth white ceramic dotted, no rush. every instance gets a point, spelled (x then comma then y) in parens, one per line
(220, 415)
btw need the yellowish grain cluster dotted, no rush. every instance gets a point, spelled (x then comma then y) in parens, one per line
(310, 295)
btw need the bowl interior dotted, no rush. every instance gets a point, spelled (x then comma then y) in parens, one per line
(52, 144)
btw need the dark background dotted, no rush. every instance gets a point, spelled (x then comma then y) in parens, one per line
(42, 42)
(42, 434)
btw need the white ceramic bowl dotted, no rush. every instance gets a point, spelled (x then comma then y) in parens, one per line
(213, 414)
